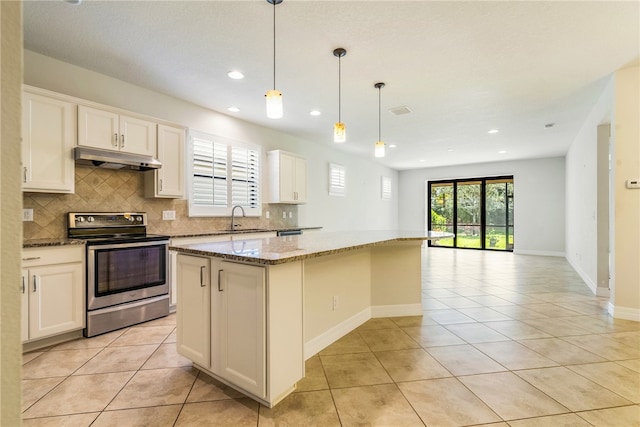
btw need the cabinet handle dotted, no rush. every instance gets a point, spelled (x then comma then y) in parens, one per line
(24, 178)
(115, 139)
(220, 280)
(160, 185)
(33, 258)
(24, 284)
(202, 275)
(35, 283)
(122, 140)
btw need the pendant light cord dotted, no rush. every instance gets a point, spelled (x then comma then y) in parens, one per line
(274, 44)
(379, 109)
(339, 89)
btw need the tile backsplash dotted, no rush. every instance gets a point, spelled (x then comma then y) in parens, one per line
(104, 190)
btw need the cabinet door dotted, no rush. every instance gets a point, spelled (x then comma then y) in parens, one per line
(24, 307)
(300, 194)
(241, 326)
(137, 136)
(194, 308)
(168, 181)
(287, 178)
(98, 128)
(56, 296)
(48, 137)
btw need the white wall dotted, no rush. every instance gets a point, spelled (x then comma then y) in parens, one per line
(361, 209)
(625, 298)
(581, 187)
(539, 211)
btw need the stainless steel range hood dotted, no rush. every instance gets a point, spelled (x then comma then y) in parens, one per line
(106, 159)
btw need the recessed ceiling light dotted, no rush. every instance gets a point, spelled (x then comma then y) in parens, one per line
(235, 75)
(493, 131)
(233, 109)
(421, 160)
(451, 150)
(315, 113)
(502, 152)
(392, 145)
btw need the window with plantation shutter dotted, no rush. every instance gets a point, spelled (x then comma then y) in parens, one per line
(224, 174)
(385, 188)
(337, 180)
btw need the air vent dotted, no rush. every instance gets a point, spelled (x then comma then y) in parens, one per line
(399, 111)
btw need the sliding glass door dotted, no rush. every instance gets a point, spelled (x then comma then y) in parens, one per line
(478, 211)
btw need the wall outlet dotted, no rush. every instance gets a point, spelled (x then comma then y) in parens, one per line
(290, 214)
(168, 215)
(27, 214)
(267, 214)
(284, 215)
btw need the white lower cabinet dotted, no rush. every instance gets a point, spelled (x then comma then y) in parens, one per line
(53, 291)
(248, 334)
(194, 309)
(239, 321)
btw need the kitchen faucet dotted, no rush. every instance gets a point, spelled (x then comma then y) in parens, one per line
(233, 212)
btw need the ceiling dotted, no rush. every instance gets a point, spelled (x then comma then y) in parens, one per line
(462, 68)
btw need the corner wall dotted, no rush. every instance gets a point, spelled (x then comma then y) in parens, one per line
(625, 286)
(10, 209)
(538, 195)
(581, 187)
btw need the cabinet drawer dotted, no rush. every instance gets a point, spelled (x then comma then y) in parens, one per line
(52, 255)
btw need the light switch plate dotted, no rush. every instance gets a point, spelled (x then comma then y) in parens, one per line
(168, 215)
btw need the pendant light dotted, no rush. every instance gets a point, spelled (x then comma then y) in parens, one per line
(379, 147)
(339, 129)
(273, 96)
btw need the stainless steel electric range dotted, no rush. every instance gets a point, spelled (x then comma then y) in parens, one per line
(126, 269)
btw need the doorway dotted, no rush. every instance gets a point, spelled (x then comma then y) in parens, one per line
(479, 211)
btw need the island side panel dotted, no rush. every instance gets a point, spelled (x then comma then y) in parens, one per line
(396, 279)
(345, 276)
(285, 361)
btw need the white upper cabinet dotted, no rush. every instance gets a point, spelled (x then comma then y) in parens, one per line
(111, 131)
(168, 181)
(287, 177)
(48, 138)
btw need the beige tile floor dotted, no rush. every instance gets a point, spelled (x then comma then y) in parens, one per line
(505, 340)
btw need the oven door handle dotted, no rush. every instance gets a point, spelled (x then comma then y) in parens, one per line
(220, 280)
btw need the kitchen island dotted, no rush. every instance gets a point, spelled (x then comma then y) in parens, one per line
(250, 312)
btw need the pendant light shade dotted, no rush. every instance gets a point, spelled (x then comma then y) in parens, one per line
(379, 147)
(339, 129)
(273, 96)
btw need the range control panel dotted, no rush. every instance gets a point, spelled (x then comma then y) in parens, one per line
(106, 219)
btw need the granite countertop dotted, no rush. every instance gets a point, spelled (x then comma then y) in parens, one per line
(240, 231)
(279, 250)
(41, 243)
(62, 241)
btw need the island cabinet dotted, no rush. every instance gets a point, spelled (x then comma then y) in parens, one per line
(242, 323)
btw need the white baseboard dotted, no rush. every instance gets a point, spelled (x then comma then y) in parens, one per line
(314, 345)
(585, 278)
(539, 253)
(624, 312)
(397, 310)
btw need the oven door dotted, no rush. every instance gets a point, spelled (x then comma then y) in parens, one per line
(123, 272)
